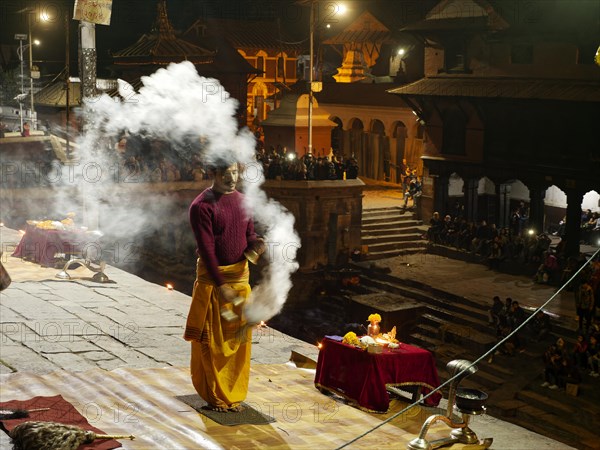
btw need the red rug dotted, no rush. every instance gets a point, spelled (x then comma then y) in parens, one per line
(60, 411)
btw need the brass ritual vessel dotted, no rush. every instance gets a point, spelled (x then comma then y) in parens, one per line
(468, 402)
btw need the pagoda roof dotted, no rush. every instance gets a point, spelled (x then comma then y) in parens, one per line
(460, 15)
(162, 46)
(510, 88)
(365, 28)
(246, 34)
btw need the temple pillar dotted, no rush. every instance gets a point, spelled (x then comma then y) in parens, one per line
(504, 205)
(440, 196)
(471, 199)
(536, 208)
(573, 225)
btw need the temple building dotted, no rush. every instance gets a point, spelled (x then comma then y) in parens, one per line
(266, 47)
(213, 58)
(510, 112)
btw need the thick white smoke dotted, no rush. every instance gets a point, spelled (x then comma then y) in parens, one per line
(176, 104)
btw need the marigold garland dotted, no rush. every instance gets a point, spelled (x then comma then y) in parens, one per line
(350, 338)
(374, 318)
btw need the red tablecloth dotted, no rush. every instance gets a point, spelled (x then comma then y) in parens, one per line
(40, 245)
(60, 411)
(362, 377)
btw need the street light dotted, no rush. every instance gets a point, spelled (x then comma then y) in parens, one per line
(20, 50)
(314, 86)
(21, 38)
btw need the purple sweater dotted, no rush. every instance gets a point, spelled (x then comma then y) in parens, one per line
(222, 228)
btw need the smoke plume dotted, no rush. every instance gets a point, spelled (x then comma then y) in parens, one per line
(179, 106)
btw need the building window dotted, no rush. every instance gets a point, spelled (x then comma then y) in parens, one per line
(455, 58)
(280, 67)
(521, 54)
(260, 65)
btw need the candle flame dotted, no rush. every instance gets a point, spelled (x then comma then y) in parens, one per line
(1, 224)
(22, 232)
(169, 286)
(319, 346)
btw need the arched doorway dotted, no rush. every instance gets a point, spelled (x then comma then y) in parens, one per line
(379, 152)
(398, 144)
(357, 145)
(337, 136)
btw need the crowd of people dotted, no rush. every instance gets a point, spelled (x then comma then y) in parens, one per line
(508, 244)
(506, 317)
(564, 364)
(145, 160)
(281, 164)
(488, 241)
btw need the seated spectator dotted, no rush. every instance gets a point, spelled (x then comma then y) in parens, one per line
(553, 361)
(495, 311)
(448, 231)
(568, 373)
(495, 254)
(435, 228)
(516, 317)
(548, 270)
(593, 355)
(413, 193)
(580, 352)
(539, 326)
(480, 244)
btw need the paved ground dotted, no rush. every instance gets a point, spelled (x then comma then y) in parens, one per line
(48, 325)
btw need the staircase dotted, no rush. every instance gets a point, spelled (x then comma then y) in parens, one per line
(454, 327)
(391, 232)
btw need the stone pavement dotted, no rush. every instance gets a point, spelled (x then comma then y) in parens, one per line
(78, 325)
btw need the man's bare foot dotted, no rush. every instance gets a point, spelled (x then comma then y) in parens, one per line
(224, 409)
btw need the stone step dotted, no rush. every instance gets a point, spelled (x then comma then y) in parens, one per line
(390, 243)
(386, 210)
(543, 402)
(425, 341)
(584, 405)
(409, 287)
(415, 248)
(395, 245)
(569, 432)
(387, 220)
(508, 408)
(385, 231)
(468, 313)
(460, 334)
(402, 234)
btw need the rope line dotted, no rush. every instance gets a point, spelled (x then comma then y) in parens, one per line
(482, 357)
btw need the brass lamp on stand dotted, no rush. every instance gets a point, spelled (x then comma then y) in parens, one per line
(468, 402)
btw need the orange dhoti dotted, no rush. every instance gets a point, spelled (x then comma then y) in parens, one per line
(220, 364)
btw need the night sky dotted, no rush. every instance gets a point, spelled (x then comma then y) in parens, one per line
(130, 18)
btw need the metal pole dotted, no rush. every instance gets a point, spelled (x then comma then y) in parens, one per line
(22, 83)
(33, 124)
(67, 83)
(311, 76)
